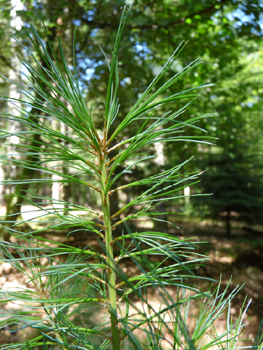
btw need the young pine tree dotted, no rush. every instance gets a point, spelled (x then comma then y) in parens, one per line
(65, 284)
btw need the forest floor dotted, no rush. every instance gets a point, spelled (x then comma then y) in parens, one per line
(239, 258)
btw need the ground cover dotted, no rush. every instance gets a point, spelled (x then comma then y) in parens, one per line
(238, 259)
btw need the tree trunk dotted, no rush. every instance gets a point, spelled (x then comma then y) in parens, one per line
(11, 172)
(14, 202)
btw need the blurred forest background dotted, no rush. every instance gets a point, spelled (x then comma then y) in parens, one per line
(227, 34)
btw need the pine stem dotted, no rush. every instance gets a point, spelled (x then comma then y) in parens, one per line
(110, 257)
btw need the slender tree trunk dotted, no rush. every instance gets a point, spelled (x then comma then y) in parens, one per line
(160, 224)
(14, 202)
(65, 186)
(11, 200)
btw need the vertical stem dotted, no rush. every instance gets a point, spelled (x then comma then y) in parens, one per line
(110, 257)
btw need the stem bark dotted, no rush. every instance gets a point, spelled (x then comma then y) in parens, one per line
(110, 257)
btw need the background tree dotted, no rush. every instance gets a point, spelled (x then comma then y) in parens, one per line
(221, 32)
(234, 174)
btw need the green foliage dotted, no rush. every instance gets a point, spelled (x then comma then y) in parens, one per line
(228, 37)
(66, 283)
(234, 166)
(236, 190)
